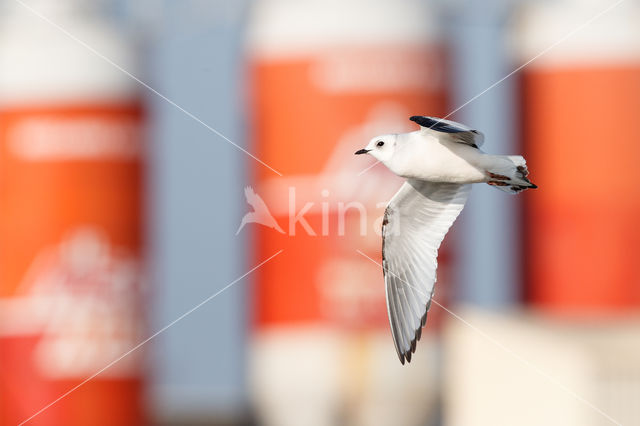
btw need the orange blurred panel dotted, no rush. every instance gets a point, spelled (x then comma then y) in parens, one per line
(312, 113)
(70, 263)
(301, 111)
(582, 141)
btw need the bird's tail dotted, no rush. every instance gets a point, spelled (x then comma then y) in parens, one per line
(509, 173)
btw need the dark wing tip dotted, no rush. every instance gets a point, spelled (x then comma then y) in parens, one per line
(416, 337)
(440, 124)
(423, 120)
(412, 349)
(435, 124)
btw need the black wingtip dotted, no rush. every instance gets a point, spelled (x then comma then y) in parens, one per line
(423, 121)
(408, 355)
(441, 125)
(433, 124)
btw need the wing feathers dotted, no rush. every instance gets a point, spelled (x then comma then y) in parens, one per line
(440, 124)
(454, 131)
(394, 319)
(419, 215)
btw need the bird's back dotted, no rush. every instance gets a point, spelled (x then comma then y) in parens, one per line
(427, 157)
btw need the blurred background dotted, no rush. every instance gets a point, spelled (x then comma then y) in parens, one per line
(135, 137)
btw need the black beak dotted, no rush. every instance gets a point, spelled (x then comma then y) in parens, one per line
(362, 151)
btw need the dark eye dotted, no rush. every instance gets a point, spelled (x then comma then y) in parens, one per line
(380, 143)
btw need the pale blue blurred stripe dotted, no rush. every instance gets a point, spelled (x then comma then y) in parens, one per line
(192, 55)
(487, 233)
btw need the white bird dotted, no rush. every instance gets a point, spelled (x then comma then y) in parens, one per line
(439, 162)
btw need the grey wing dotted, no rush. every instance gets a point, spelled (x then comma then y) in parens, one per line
(454, 131)
(415, 223)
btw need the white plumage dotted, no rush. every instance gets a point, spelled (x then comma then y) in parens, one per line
(439, 161)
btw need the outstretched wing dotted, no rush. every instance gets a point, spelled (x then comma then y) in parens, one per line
(415, 223)
(455, 131)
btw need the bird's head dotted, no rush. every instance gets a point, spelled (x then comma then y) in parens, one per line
(381, 147)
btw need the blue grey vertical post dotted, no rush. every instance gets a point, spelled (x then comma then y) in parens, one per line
(192, 55)
(487, 234)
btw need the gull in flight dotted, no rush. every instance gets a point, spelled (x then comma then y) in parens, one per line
(439, 162)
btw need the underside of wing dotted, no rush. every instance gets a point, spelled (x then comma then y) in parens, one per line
(414, 225)
(455, 131)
